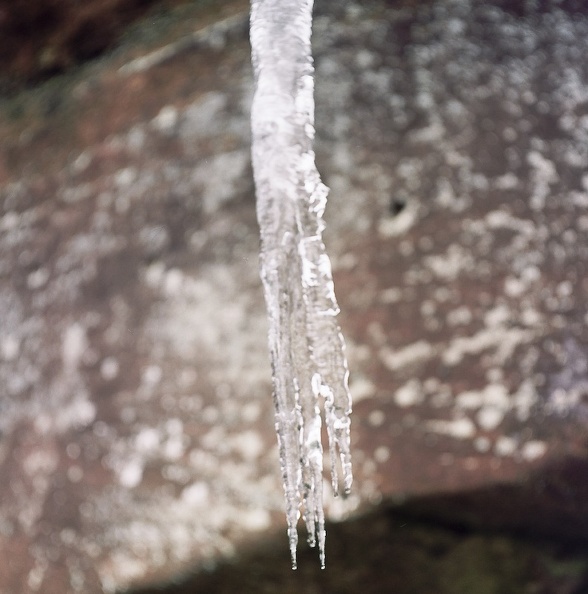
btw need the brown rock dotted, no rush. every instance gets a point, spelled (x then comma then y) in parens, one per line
(136, 427)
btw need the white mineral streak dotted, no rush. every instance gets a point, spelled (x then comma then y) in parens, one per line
(306, 345)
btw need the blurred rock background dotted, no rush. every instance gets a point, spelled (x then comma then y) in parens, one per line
(136, 430)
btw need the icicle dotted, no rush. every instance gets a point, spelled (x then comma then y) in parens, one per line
(306, 345)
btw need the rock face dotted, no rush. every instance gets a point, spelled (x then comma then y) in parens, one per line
(136, 434)
(39, 38)
(389, 551)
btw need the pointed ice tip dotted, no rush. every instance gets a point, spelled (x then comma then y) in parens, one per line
(293, 556)
(348, 482)
(335, 486)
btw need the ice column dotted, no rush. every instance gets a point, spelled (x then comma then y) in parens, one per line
(306, 346)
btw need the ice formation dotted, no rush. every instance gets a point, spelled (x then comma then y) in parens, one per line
(305, 341)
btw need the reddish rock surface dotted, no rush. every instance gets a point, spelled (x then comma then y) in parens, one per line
(136, 428)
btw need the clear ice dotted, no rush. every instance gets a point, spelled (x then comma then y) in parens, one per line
(305, 341)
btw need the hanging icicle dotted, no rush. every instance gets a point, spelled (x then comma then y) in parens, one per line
(306, 345)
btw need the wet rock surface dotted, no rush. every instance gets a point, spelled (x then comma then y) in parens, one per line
(136, 420)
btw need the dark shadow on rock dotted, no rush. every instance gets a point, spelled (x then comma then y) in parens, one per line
(552, 504)
(42, 38)
(530, 538)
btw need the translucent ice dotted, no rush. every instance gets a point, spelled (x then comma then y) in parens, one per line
(306, 345)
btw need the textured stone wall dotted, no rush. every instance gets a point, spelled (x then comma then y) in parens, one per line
(136, 429)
